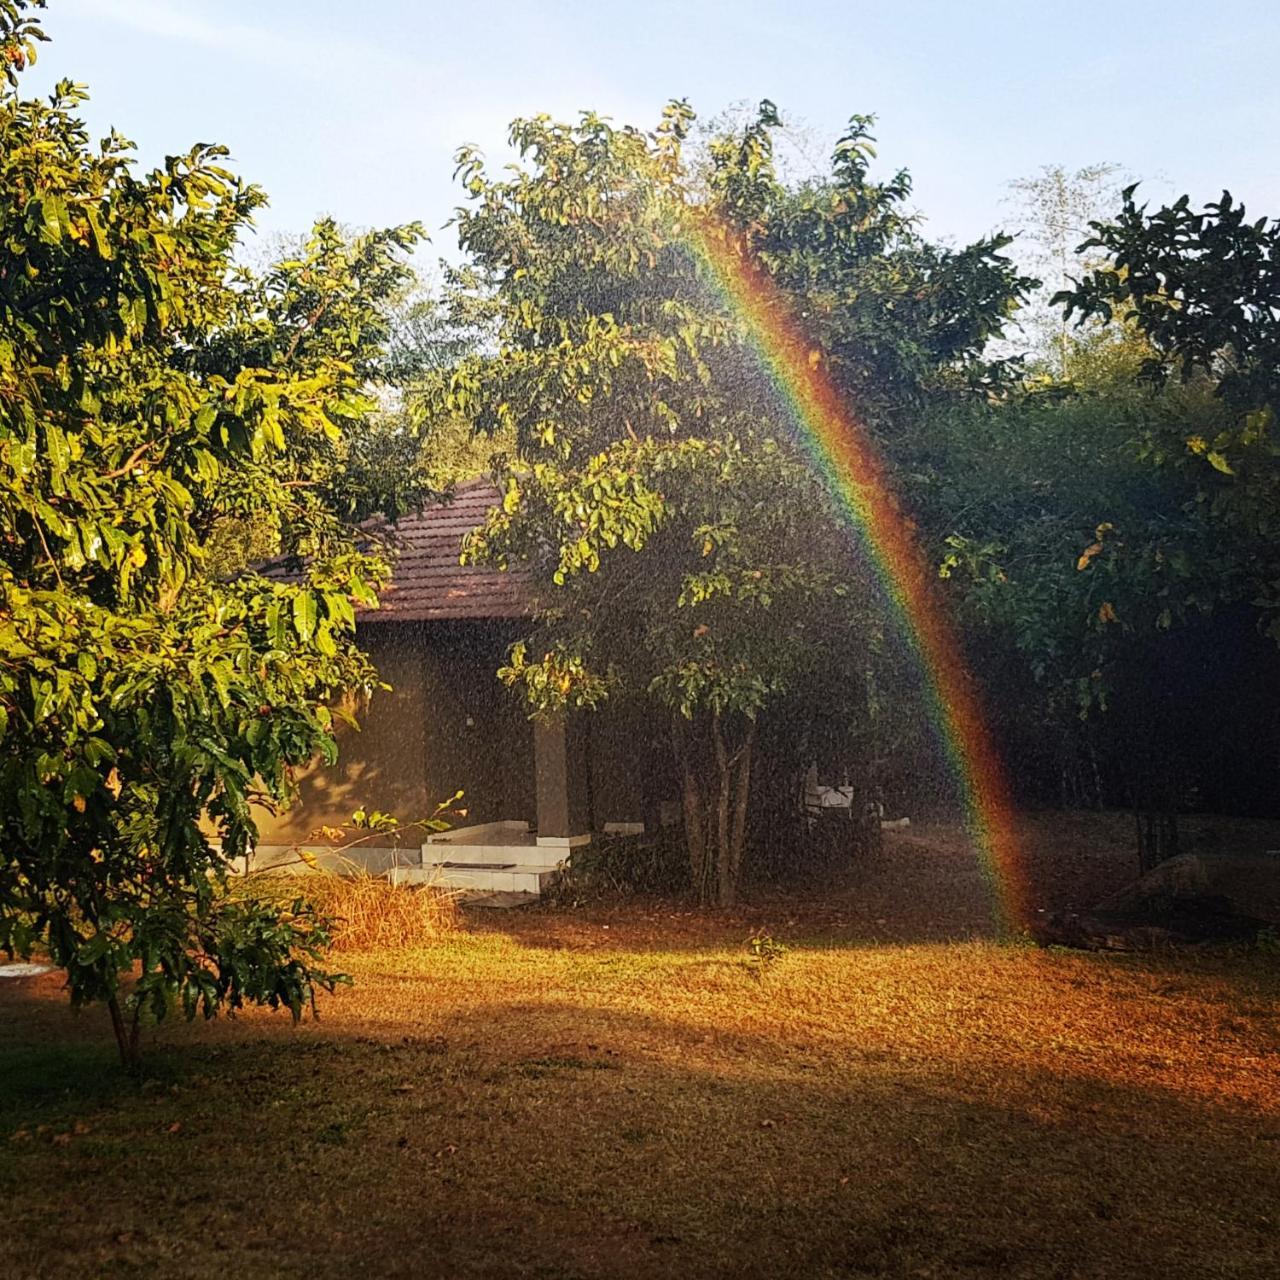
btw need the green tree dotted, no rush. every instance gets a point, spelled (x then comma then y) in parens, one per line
(1096, 524)
(428, 337)
(685, 549)
(705, 575)
(1203, 288)
(1078, 563)
(148, 391)
(335, 302)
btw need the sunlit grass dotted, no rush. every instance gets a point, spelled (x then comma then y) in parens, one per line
(368, 912)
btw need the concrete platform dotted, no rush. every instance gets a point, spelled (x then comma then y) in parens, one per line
(496, 842)
(503, 878)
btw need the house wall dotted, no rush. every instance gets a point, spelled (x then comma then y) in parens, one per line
(446, 724)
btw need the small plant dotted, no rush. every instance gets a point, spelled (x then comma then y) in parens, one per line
(367, 912)
(1267, 943)
(764, 951)
(364, 911)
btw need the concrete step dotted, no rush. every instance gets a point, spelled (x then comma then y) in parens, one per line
(526, 855)
(517, 878)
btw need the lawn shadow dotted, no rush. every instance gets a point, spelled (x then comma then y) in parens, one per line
(536, 1138)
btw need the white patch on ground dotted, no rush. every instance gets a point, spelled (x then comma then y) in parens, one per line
(21, 970)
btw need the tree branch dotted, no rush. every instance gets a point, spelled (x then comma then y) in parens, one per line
(129, 462)
(44, 543)
(309, 323)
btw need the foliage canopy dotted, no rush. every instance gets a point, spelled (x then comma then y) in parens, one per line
(149, 392)
(688, 553)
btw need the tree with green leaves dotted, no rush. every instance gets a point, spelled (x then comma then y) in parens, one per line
(1102, 527)
(1075, 563)
(1203, 288)
(685, 550)
(150, 392)
(707, 576)
(337, 296)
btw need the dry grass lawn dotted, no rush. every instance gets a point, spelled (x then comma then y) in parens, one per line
(626, 1092)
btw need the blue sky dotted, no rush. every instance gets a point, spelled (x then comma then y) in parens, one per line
(356, 109)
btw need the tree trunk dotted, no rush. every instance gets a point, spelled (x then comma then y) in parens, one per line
(695, 829)
(126, 1033)
(726, 884)
(715, 796)
(1157, 837)
(1098, 795)
(1153, 793)
(742, 784)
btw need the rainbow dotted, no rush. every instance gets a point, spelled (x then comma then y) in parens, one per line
(842, 450)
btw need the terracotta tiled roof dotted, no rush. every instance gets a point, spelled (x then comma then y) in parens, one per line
(428, 583)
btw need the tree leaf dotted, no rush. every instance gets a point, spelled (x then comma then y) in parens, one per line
(305, 615)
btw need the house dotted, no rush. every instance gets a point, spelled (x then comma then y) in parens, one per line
(532, 791)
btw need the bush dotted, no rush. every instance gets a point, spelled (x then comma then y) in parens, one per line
(619, 866)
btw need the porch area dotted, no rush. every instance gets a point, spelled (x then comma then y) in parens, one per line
(512, 856)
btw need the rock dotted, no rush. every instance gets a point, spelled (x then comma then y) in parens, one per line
(24, 969)
(1250, 880)
(1180, 877)
(1190, 899)
(1150, 924)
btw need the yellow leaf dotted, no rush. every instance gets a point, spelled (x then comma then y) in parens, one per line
(1219, 463)
(78, 803)
(815, 359)
(1089, 552)
(1106, 613)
